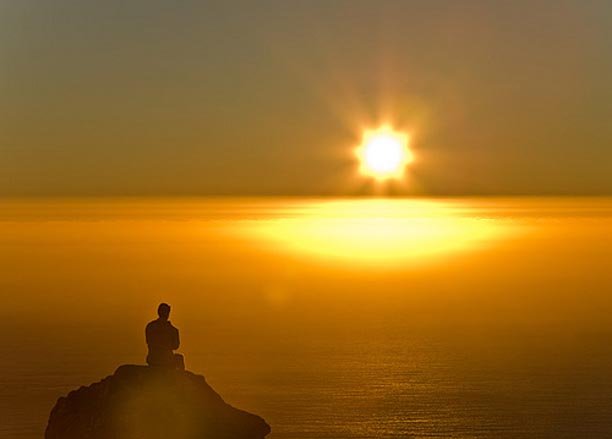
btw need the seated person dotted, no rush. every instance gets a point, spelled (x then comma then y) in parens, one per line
(162, 340)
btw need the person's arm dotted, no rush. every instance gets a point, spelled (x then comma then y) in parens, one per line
(175, 339)
(148, 334)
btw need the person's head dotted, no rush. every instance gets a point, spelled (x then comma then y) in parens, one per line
(163, 311)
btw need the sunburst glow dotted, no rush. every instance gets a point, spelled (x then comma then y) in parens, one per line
(383, 153)
(378, 233)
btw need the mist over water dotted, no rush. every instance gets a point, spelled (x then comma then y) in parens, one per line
(331, 318)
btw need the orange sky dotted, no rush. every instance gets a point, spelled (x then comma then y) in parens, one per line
(163, 98)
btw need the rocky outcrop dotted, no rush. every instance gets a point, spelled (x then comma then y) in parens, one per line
(144, 402)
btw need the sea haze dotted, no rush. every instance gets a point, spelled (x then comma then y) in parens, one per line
(331, 318)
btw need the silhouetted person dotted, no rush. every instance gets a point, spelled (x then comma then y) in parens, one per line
(162, 340)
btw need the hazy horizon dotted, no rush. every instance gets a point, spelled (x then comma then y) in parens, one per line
(329, 318)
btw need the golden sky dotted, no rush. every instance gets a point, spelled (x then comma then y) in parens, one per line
(270, 97)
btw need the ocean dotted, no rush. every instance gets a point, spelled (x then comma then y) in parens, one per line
(330, 318)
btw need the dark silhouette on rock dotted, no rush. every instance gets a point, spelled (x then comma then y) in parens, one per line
(162, 339)
(141, 402)
(159, 401)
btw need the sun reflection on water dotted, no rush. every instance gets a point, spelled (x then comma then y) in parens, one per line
(377, 232)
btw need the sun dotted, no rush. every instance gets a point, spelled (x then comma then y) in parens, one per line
(383, 153)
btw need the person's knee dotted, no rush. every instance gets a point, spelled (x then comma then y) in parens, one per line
(179, 361)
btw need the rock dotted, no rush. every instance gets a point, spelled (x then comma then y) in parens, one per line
(144, 402)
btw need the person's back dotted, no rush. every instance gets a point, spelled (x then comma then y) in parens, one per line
(162, 339)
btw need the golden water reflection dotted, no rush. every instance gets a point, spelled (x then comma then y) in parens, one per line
(378, 232)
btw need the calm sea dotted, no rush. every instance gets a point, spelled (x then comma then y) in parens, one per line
(331, 318)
